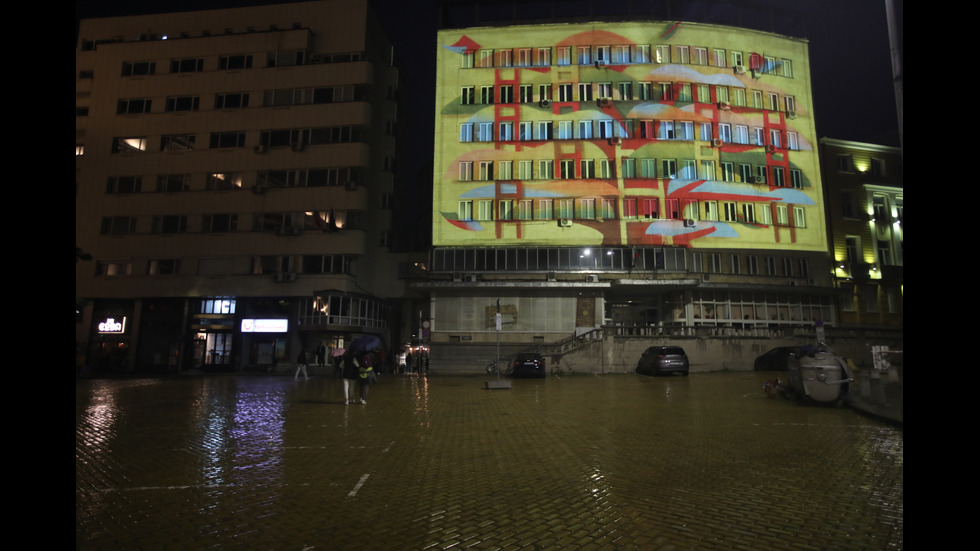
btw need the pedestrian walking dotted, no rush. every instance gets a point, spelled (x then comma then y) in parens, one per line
(321, 355)
(301, 365)
(338, 364)
(366, 375)
(350, 374)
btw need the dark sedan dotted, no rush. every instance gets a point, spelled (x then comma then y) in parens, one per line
(778, 359)
(528, 364)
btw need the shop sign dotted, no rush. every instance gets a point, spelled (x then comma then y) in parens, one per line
(110, 325)
(265, 325)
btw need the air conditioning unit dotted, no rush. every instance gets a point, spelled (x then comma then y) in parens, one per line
(758, 180)
(615, 140)
(600, 64)
(457, 277)
(724, 106)
(605, 102)
(552, 276)
(592, 278)
(716, 142)
(545, 103)
(469, 278)
(739, 69)
(690, 223)
(565, 223)
(258, 189)
(790, 114)
(260, 149)
(771, 148)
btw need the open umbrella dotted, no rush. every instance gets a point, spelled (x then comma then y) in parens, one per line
(337, 352)
(365, 343)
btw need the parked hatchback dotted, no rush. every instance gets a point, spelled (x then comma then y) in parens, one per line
(528, 364)
(663, 360)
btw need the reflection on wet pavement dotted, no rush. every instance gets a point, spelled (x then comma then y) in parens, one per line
(579, 462)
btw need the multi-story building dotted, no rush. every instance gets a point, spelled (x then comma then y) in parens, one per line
(865, 207)
(235, 178)
(649, 176)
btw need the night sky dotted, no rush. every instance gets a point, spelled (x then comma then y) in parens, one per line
(854, 98)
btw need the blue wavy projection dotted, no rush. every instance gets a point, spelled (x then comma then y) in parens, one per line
(731, 190)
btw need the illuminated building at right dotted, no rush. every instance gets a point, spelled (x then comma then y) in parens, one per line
(865, 208)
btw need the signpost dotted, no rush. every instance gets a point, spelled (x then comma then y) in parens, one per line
(498, 383)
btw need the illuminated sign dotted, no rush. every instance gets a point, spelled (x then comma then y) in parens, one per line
(265, 326)
(110, 325)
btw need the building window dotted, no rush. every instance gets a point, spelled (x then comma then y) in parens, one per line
(796, 178)
(649, 207)
(485, 132)
(465, 171)
(505, 58)
(113, 268)
(169, 183)
(845, 163)
(725, 132)
(545, 131)
(763, 214)
(787, 68)
(700, 55)
(466, 132)
(628, 168)
(486, 171)
(524, 131)
(182, 103)
(505, 170)
(710, 210)
(525, 170)
(584, 55)
(484, 210)
(778, 177)
(668, 168)
(565, 130)
(505, 209)
(162, 266)
(227, 139)
(546, 169)
(545, 209)
(630, 209)
(731, 211)
(467, 95)
(588, 168)
(507, 93)
(231, 101)
(543, 57)
(526, 92)
(727, 171)
(189, 65)
(216, 223)
(133, 106)
(544, 92)
(567, 167)
(223, 180)
(662, 54)
(525, 209)
(585, 130)
(564, 54)
(128, 144)
(683, 54)
(748, 212)
(666, 131)
(486, 95)
(745, 173)
(139, 68)
(585, 91)
(738, 97)
(230, 62)
(124, 184)
(506, 131)
(688, 170)
(564, 92)
(465, 210)
(799, 217)
(169, 224)
(524, 57)
(719, 57)
(467, 59)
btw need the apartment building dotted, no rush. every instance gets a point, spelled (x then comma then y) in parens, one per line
(235, 174)
(643, 175)
(865, 208)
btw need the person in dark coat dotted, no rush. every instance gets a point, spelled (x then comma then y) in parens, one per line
(352, 376)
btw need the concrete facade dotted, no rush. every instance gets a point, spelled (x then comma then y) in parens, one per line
(235, 181)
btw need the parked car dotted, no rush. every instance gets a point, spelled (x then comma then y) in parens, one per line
(528, 364)
(663, 360)
(778, 359)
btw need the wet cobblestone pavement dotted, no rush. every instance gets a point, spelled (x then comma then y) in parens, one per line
(614, 462)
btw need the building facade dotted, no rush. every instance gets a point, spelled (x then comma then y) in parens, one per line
(235, 175)
(649, 176)
(865, 208)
